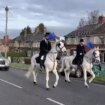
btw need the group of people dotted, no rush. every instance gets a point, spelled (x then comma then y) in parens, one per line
(45, 47)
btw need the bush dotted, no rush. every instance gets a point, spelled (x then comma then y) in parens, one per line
(18, 59)
(15, 54)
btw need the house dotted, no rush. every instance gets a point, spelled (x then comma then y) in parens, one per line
(94, 33)
(4, 43)
(29, 43)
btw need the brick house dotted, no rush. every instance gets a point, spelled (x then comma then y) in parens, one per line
(4, 43)
(94, 33)
(30, 43)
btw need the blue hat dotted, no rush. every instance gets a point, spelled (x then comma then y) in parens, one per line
(52, 37)
(90, 45)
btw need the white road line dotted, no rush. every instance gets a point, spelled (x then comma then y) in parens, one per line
(55, 101)
(11, 83)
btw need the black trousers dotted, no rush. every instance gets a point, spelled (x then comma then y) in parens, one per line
(42, 61)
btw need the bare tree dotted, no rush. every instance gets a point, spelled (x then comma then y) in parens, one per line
(82, 23)
(93, 17)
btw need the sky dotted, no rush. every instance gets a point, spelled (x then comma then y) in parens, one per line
(59, 16)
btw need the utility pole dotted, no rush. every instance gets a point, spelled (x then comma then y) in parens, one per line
(6, 28)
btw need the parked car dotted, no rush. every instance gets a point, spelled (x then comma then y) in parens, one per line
(4, 63)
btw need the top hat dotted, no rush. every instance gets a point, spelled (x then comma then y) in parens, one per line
(81, 40)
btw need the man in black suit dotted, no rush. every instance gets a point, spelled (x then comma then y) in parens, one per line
(45, 47)
(80, 50)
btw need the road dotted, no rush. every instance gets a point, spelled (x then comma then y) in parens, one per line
(16, 89)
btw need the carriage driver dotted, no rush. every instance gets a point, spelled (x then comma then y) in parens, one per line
(45, 47)
(80, 52)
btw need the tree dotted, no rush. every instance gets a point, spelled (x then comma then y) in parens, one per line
(40, 28)
(22, 33)
(26, 31)
(93, 17)
(29, 31)
(82, 23)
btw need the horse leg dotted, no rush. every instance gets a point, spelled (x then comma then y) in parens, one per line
(57, 78)
(93, 76)
(29, 72)
(67, 79)
(35, 75)
(85, 78)
(68, 76)
(62, 66)
(47, 79)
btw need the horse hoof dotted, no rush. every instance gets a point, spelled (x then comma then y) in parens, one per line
(65, 80)
(47, 89)
(35, 83)
(69, 82)
(54, 86)
(86, 86)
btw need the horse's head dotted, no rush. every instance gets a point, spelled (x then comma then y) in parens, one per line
(96, 54)
(61, 47)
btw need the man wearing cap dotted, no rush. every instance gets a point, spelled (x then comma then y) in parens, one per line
(80, 51)
(45, 47)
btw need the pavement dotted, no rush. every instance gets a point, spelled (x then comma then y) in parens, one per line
(16, 89)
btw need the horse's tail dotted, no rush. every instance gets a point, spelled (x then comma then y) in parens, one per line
(62, 64)
(30, 70)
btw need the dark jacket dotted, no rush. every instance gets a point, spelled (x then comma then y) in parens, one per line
(80, 50)
(45, 47)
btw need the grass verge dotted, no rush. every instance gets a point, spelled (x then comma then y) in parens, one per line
(100, 79)
(19, 66)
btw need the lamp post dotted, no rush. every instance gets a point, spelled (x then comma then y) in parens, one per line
(6, 26)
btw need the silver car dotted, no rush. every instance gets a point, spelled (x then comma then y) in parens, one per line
(4, 63)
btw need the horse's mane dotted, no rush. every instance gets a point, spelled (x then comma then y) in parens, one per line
(90, 53)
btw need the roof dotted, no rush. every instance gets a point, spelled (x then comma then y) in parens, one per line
(88, 30)
(33, 38)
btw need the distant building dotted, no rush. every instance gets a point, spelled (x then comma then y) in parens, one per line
(4, 43)
(30, 43)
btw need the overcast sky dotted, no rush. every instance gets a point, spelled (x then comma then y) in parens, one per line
(59, 16)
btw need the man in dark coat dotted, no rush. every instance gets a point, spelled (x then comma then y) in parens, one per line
(80, 50)
(45, 47)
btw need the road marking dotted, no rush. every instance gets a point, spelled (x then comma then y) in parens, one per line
(11, 83)
(55, 101)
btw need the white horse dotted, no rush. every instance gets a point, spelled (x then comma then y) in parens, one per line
(50, 63)
(86, 65)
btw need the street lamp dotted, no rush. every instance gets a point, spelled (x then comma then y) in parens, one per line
(6, 26)
(6, 10)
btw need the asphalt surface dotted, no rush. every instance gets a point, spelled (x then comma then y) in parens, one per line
(16, 89)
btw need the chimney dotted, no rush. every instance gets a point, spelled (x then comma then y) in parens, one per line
(101, 19)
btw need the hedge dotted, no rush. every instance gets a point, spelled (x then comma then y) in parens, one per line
(15, 54)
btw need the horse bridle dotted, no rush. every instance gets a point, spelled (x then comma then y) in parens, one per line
(59, 48)
(94, 54)
(90, 59)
